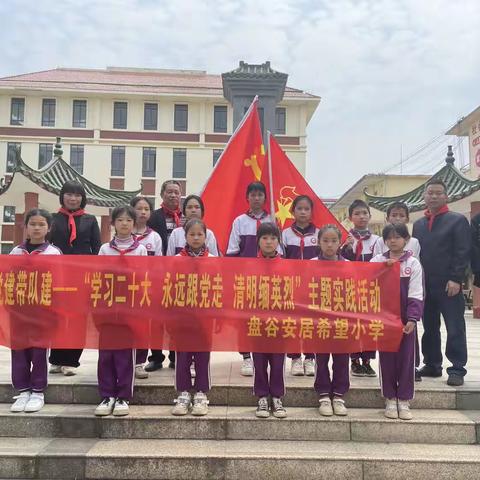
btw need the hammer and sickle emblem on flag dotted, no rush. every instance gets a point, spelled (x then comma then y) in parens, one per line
(284, 203)
(253, 163)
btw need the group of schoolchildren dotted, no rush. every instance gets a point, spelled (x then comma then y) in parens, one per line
(252, 235)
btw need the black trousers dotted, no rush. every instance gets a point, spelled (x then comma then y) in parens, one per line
(452, 309)
(65, 357)
(159, 356)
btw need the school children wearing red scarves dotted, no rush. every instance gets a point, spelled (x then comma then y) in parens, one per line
(359, 248)
(29, 365)
(195, 233)
(300, 241)
(269, 368)
(397, 369)
(74, 232)
(116, 367)
(243, 241)
(331, 390)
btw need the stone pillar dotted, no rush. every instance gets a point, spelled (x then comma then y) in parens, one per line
(19, 232)
(31, 201)
(474, 210)
(105, 228)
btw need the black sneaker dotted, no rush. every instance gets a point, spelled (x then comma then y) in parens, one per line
(369, 371)
(153, 366)
(357, 369)
(455, 380)
(427, 371)
(418, 377)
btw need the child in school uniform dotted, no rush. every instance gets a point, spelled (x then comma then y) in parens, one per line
(152, 241)
(397, 369)
(195, 235)
(193, 207)
(359, 248)
(269, 368)
(30, 365)
(243, 241)
(331, 390)
(300, 241)
(116, 367)
(398, 213)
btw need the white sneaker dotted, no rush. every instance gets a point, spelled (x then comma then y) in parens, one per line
(200, 404)
(193, 373)
(309, 367)
(140, 372)
(391, 409)
(182, 404)
(339, 407)
(263, 410)
(404, 411)
(20, 402)
(55, 369)
(35, 402)
(297, 367)
(69, 371)
(105, 407)
(121, 408)
(325, 407)
(278, 409)
(247, 367)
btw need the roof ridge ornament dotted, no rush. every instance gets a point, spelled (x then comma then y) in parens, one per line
(58, 151)
(450, 159)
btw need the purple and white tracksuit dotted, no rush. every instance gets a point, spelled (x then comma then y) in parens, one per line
(30, 365)
(116, 367)
(397, 369)
(338, 384)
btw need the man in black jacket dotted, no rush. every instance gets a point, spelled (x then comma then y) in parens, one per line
(163, 220)
(445, 241)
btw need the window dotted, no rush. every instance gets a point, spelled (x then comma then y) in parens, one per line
(180, 121)
(150, 116)
(220, 119)
(79, 114)
(216, 155)
(6, 248)
(12, 156)
(179, 163)
(280, 120)
(120, 115)
(17, 112)
(149, 162)
(76, 158)
(8, 214)
(45, 154)
(118, 162)
(48, 112)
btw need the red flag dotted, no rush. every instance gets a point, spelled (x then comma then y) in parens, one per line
(241, 163)
(288, 183)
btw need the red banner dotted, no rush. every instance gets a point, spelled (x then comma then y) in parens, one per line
(191, 304)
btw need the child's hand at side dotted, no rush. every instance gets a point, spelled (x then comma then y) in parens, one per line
(409, 327)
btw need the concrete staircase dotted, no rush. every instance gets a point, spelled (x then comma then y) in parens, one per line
(65, 440)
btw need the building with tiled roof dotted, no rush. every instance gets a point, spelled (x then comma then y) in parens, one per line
(125, 127)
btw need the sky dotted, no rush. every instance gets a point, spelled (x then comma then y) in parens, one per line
(393, 75)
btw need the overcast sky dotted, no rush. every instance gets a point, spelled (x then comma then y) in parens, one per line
(392, 74)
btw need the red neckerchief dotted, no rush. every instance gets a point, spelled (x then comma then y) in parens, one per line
(131, 248)
(432, 216)
(175, 214)
(188, 252)
(308, 232)
(141, 236)
(39, 250)
(71, 222)
(359, 238)
(258, 219)
(275, 257)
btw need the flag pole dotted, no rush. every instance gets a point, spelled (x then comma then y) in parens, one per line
(270, 178)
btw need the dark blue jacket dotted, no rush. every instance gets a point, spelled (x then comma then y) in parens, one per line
(445, 250)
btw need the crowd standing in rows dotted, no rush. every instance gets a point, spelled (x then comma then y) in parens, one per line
(441, 243)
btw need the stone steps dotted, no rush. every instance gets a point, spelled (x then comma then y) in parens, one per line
(239, 423)
(66, 459)
(435, 395)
